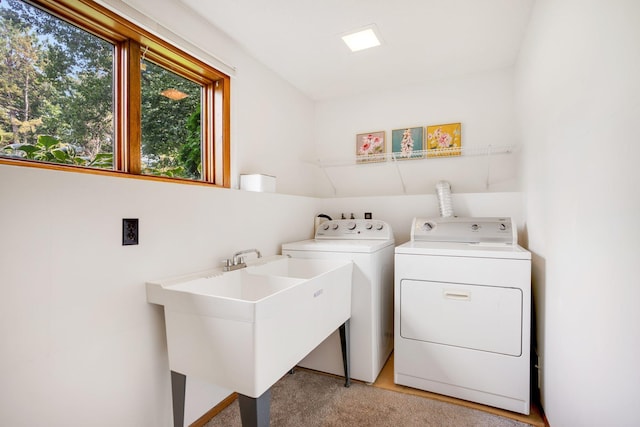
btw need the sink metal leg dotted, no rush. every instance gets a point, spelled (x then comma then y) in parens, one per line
(255, 411)
(178, 388)
(346, 359)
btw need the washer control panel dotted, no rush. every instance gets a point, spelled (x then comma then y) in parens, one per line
(354, 229)
(465, 230)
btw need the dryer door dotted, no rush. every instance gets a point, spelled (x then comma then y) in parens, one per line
(478, 317)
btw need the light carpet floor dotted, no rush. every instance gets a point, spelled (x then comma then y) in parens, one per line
(311, 399)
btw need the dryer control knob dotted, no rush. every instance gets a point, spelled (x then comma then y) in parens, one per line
(351, 226)
(369, 226)
(334, 226)
(379, 226)
(427, 226)
(475, 227)
(325, 227)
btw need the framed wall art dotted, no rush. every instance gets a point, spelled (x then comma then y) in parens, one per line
(444, 140)
(371, 147)
(407, 143)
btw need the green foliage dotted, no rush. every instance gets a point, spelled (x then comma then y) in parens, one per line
(55, 79)
(170, 128)
(56, 99)
(49, 149)
(190, 153)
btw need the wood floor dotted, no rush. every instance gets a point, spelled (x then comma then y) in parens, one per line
(385, 380)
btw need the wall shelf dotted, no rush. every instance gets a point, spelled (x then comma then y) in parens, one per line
(419, 155)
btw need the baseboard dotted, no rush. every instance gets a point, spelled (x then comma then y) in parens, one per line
(200, 422)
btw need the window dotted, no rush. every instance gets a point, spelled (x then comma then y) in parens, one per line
(171, 137)
(81, 87)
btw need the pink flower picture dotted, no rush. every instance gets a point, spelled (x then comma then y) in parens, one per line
(370, 147)
(407, 143)
(444, 140)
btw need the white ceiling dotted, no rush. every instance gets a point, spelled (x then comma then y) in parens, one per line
(421, 39)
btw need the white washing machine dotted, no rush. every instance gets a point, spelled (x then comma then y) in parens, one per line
(463, 311)
(370, 245)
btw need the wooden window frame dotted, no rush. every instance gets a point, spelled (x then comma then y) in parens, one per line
(129, 42)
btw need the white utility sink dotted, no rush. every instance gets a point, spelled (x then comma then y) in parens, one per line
(246, 328)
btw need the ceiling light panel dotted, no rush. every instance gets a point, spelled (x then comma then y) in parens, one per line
(361, 39)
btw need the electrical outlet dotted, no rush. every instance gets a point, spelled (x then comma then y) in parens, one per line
(129, 231)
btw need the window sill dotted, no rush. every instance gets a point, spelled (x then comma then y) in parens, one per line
(102, 172)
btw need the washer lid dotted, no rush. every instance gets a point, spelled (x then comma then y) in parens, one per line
(346, 246)
(474, 250)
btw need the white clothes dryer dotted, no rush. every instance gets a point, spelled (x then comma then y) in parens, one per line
(463, 311)
(370, 245)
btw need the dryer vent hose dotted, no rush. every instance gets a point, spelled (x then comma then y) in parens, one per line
(443, 191)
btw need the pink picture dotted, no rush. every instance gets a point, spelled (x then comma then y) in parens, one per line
(371, 147)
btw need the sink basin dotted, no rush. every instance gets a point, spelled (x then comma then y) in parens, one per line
(246, 328)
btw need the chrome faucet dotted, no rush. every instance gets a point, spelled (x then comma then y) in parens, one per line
(237, 260)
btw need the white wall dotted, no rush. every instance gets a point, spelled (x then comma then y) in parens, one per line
(271, 131)
(579, 109)
(483, 103)
(80, 344)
